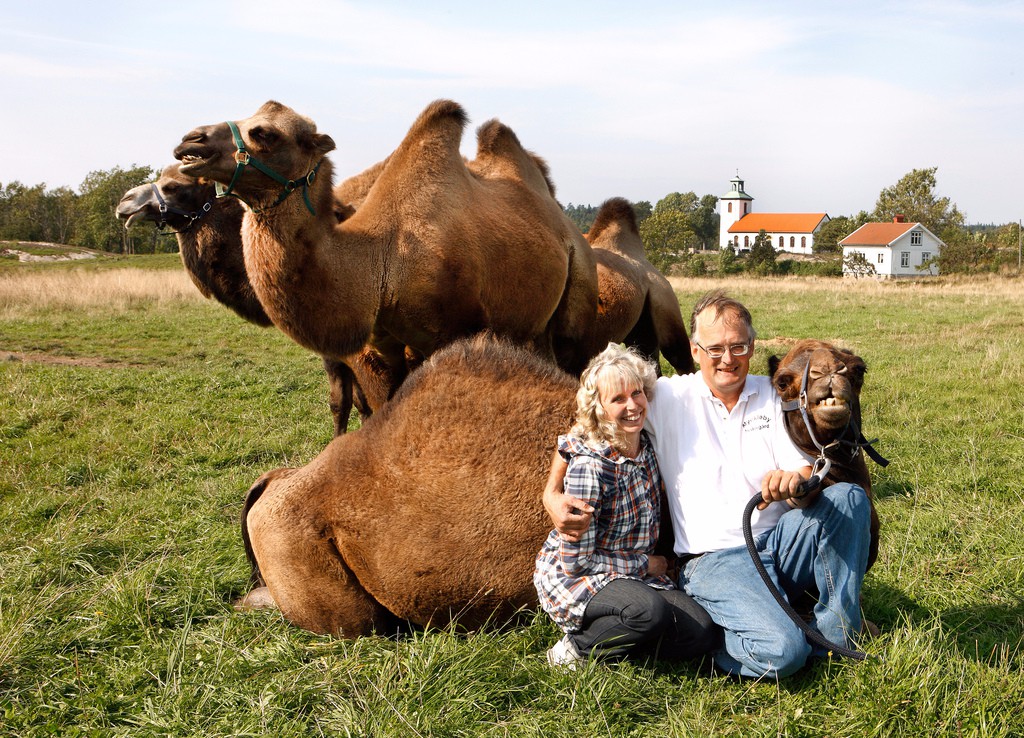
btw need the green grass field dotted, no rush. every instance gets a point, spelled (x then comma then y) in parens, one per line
(133, 418)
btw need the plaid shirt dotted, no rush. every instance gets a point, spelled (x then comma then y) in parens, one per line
(626, 496)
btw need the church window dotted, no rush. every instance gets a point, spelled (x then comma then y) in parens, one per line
(792, 242)
(730, 207)
(803, 242)
(746, 242)
(782, 242)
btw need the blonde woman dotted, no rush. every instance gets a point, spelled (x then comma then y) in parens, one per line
(609, 591)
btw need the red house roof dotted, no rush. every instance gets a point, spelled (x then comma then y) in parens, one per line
(877, 234)
(778, 223)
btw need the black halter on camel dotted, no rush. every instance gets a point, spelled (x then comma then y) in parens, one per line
(820, 470)
(191, 215)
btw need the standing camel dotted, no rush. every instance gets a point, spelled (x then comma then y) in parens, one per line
(637, 305)
(208, 231)
(435, 251)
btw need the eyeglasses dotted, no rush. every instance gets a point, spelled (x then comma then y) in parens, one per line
(717, 352)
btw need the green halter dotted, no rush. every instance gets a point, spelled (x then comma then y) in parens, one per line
(243, 159)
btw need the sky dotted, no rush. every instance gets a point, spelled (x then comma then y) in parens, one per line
(817, 106)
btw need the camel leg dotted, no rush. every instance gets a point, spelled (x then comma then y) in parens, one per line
(305, 574)
(641, 338)
(669, 329)
(339, 380)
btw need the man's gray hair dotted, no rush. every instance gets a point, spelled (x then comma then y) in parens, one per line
(721, 303)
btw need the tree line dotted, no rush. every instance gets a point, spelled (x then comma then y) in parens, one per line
(680, 231)
(84, 218)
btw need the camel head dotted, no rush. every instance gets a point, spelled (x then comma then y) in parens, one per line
(834, 380)
(174, 199)
(276, 137)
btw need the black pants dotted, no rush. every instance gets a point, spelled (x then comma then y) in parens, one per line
(629, 618)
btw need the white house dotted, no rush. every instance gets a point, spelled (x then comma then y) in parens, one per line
(897, 249)
(739, 225)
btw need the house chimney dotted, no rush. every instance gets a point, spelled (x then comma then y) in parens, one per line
(899, 218)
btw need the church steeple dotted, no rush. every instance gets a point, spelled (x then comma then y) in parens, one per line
(732, 206)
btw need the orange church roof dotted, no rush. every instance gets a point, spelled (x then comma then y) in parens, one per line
(778, 223)
(877, 234)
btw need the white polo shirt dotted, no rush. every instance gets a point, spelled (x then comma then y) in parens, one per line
(713, 461)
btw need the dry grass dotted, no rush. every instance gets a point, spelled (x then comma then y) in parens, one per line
(989, 285)
(115, 289)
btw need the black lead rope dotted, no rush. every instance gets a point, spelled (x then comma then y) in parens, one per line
(812, 634)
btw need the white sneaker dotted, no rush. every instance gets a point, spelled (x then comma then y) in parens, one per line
(564, 654)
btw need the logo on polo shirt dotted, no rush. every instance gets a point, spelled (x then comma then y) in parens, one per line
(758, 422)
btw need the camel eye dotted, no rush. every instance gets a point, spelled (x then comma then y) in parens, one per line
(262, 136)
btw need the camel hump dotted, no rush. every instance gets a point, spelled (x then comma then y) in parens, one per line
(440, 113)
(497, 146)
(615, 210)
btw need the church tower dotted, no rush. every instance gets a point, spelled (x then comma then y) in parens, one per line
(732, 206)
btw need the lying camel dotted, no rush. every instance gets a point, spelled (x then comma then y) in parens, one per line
(834, 380)
(430, 513)
(208, 231)
(435, 251)
(636, 304)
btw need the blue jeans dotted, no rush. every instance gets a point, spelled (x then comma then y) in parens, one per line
(822, 550)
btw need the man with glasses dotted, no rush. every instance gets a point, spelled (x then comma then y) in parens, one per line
(720, 439)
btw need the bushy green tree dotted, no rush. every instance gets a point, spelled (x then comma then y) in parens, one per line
(727, 261)
(761, 259)
(100, 192)
(913, 197)
(666, 235)
(826, 240)
(643, 210)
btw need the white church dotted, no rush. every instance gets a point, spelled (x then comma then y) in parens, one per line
(739, 226)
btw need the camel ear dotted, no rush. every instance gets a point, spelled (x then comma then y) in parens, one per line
(773, 365)
(323, 143)
(785, 382)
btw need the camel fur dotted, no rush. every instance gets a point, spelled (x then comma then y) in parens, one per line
(431, 513)
(435, 251)
(636, 304)
(835, 380)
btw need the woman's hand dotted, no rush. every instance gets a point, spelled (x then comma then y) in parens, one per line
(657, 566)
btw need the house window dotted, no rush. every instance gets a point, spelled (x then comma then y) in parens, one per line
(925, 256)
(803, 242)
(730, 207)
(904, 258)
(881, 257)
(782, 242)
(915, 238)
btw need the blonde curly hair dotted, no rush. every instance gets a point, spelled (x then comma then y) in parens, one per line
(614, 364)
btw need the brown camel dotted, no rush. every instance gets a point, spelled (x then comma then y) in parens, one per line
(636, 305)
(834, 381)
(208, 231)
(435, 251)
(430, 513)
